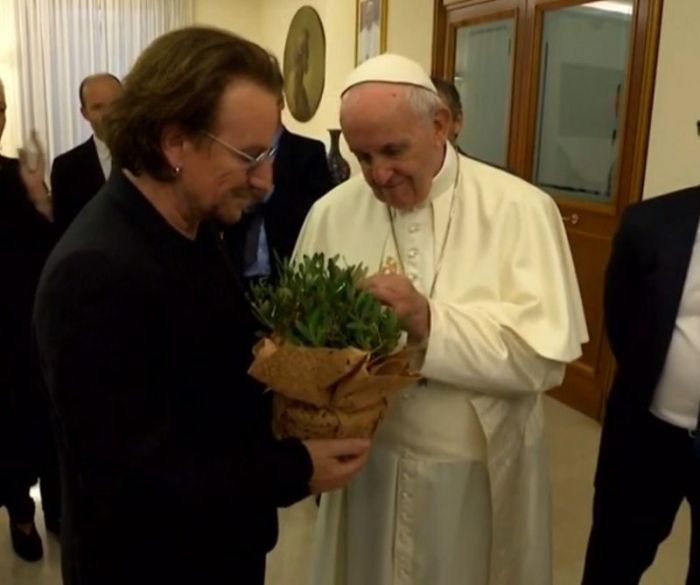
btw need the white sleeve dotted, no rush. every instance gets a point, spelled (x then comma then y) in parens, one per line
(468, 347)
(516, 331)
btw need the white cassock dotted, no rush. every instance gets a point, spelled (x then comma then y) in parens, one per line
(456, 490)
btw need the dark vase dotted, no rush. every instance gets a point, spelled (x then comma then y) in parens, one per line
(338, 166)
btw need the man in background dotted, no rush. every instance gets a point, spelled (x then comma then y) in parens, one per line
(270, 228)
(649, 460)
(449, 94)
(77, 175)
(27, 451)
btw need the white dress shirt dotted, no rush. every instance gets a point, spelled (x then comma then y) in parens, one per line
(677, 396)
(104, 155)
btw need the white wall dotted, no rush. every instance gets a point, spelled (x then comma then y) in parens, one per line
(674, 145)
(239, 16)
(12, 136)
(409, 32)
(338, 18)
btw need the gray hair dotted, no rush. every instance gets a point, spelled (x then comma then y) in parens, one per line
(424, 102)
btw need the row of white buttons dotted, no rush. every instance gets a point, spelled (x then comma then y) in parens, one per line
(405, 547)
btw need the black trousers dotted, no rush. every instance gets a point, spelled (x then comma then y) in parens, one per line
(27, 447)
(16, 485)
(646, 470)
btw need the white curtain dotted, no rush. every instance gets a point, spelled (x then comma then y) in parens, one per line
(11, 138)
(59, 42)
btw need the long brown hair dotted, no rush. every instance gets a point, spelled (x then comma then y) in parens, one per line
(179, 79)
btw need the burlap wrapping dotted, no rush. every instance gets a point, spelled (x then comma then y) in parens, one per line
(328, 393)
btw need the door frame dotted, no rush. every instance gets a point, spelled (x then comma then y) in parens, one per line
(465, 13)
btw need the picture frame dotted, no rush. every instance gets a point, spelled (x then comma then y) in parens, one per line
(371, 27)
(304, 66)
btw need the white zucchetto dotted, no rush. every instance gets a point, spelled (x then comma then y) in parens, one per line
(389, 68)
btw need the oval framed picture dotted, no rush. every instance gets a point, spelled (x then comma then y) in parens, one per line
(304, 64)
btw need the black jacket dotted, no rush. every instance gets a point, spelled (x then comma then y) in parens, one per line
(26, 238)
(171, 473)
(76, 176)
(644, 285)
(301, 176)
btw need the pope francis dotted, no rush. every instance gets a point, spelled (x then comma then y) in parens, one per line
(476, 262)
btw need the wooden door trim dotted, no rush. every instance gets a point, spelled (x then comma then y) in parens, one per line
(465, 10)
(638, 98)
(648, 16)
(635, 111)
(468, 12)
(439, 38)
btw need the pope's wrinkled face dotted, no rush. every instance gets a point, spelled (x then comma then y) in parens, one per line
(228, 168)
(399, 149)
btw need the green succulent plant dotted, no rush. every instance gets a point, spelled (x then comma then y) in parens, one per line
(318, 303)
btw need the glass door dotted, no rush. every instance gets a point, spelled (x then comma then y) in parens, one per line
(559, 92)
(584, 64)
(483, 76)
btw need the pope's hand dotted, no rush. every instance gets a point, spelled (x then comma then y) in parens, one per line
(397, 291)
(335, 461)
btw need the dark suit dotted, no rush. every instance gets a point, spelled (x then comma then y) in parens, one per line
(26, 449)
(301, 176)
(76, 176)
(170, 471)
(646, 466)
